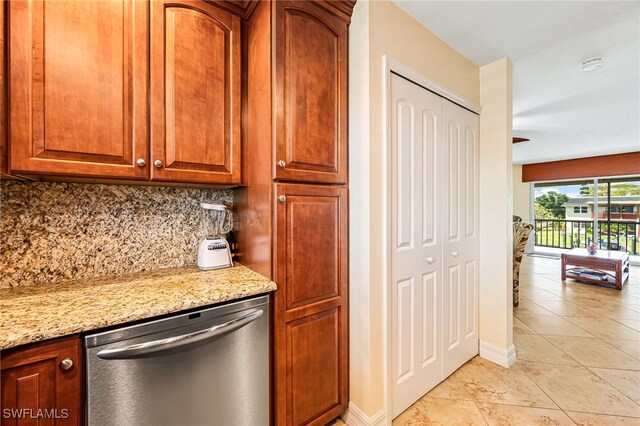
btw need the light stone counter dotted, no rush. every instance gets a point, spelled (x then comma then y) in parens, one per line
(34, 313)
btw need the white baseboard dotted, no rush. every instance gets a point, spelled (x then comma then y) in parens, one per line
(355, 417)
(503, 357)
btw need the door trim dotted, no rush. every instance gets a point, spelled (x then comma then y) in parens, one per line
(389, 66)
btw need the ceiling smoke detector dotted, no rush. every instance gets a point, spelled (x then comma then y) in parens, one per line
(591, 64)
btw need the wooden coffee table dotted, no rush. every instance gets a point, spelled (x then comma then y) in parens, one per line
(614, 263)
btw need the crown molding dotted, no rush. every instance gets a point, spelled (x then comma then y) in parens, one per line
(242, 8)
(342, 8)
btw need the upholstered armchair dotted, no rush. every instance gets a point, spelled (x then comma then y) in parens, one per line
(521, 232)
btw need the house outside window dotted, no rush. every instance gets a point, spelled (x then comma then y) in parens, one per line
(571, 214)
(578, 209)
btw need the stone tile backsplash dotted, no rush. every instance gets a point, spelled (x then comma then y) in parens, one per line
(59, 231)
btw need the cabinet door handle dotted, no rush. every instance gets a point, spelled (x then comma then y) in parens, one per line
(281, 164)
(140, 162)
(455, 254)
(157, 163)
(66, 364)
(429, 260)
(282, 198)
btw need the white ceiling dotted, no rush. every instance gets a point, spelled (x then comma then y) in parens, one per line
(565, 112)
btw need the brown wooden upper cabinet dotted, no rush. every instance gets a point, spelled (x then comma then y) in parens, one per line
(125, 89)
(78, 88)
(195, 93)
(311, 93)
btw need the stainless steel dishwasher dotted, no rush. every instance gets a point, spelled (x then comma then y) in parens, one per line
(209, 367)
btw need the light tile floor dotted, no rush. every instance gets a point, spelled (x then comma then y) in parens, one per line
(578, 348)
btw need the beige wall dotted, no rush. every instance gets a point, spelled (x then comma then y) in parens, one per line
(521, 196)
(496, 253)
(363, 381)
(381, 28)
(398, 35)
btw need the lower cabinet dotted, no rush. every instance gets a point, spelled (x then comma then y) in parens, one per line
(42, 384)
(310, 315)
(315, 362)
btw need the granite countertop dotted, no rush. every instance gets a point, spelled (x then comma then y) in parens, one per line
(34, 313)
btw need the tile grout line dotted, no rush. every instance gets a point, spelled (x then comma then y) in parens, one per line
(486, 421)
(600, 379)
(609, 415)
(609, 337)
(561, 350)
(613, 385)
(542, 390)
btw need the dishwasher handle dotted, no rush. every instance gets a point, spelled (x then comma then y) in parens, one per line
(138, 349)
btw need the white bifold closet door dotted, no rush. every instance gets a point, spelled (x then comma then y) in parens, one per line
(434, 240)
(460, 239)
(416, 235)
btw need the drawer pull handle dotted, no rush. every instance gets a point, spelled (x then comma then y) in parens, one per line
(157, 163)
(141, 162)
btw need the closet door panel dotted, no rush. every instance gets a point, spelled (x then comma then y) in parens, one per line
(460, 248)
(416, 247)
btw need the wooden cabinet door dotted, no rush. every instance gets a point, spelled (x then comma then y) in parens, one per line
(78, 87)
(311, 93)
(3, 92)
(35, 387)
(195, 93)
(311, 347)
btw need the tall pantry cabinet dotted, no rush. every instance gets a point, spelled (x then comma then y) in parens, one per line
(293, 214)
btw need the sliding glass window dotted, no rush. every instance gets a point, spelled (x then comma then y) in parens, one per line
(567, 213)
